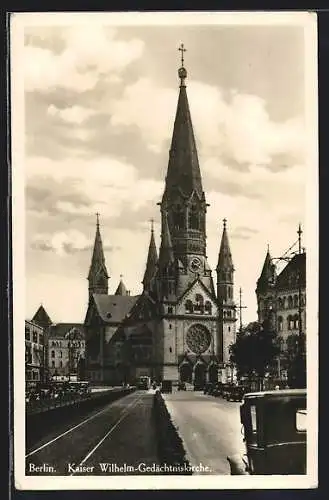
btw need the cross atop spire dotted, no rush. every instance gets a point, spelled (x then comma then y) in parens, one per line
(97, 218)
(182, 73)
(152, 224)
(182, 49)
(224, 223)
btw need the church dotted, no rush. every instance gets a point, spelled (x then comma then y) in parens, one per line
(181, 325)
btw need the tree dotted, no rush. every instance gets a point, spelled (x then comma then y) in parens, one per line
(254, 350)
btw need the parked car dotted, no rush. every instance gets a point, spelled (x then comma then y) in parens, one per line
(226, 390)
(217, 390)
(274, 427)
(235, 393)
(181, 386)
(208, 388)
(166, 386)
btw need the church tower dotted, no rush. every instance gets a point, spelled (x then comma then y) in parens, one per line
(225, 294)
(98, 276)
(191, 344)
(183, 205)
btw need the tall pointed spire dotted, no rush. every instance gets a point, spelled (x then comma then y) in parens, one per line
(166, 254)
(225, 261)
(183, 167)
(152, 261)
(98, 275)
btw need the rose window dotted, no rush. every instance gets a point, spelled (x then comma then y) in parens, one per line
(198, 339)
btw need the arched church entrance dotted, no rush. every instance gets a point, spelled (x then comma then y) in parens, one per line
(199, 375)
(213, 373)
(185, 372)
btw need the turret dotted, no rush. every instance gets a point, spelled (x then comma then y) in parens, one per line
(98, 276)
(225, 270)
(151, 263)
(121, 290)
(166, 264)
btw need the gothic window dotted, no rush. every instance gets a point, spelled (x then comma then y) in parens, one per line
(178, 216)
(290, 302)
(193, 217)
(295, 300)
(52, 354)
(27, 333)
(296, 322)
(35, 337)
(284, 299)
(199, 305)
(229, 328)
(170, 326)
(170, 349)
(208, 307)
(189, 306)
(170, 310)
(53, 364)
(60, 354)
(280, 304)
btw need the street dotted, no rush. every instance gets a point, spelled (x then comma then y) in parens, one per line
(117, 439)
(209, 427)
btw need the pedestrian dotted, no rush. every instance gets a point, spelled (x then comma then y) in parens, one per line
(277, 388)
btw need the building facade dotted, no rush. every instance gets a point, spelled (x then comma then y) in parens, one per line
(66, 349)
(35, 360)
(281, 299)
(181, 325)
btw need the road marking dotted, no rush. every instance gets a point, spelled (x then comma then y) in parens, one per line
(123, 416)
(69, 430)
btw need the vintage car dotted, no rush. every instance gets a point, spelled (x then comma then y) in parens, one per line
(181, 386)
(166, 386)
(235, 393)
(274, 427)
(208, 388)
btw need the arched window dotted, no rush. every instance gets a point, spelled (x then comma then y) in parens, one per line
(296, 322)
(52, 354)
(178, 216)
(199, 305)
(193, 217)
(280, 323)
(295, 300)
(290, 302)
(280, 303)
(208, 307)
(189, 306)
(284, 302)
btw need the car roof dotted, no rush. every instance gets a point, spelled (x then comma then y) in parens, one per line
(276, 393)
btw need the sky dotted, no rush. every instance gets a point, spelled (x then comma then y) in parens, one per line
(100, 101)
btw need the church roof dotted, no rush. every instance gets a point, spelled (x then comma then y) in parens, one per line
(98, 259)
(225, 260)
(183, 165)
(121, 290)
(59, 330)
(294, 271)
(41, 317)
(113, 308)
(151, 262)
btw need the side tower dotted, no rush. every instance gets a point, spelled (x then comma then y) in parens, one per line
(98, 276)
(265, 291)
(225, 295)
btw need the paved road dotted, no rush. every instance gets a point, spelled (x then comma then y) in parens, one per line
(121, 436)
(209, 427)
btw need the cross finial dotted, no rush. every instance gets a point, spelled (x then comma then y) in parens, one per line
(182, 49)
(224, 223)
(152, 224)
(121, 276)
(97, 218)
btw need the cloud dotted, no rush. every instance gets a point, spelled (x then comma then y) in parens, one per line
(80, 187)
(74, 114)
(88, 51)
(237, 128)
(65, 242)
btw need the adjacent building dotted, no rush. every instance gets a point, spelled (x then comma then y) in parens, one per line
(66, 350)
(35, 360)
(182, 323)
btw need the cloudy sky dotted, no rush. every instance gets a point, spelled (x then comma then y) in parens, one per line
(100, 101)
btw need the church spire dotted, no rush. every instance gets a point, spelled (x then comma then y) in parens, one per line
(183, 167)
(166, 254)
(225, 270)
(152, 261)
(225, 261)
(98, 275)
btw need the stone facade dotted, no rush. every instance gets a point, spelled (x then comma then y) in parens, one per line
(35, 360)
